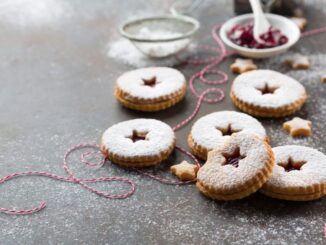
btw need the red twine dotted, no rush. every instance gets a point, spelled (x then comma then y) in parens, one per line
(211, 62)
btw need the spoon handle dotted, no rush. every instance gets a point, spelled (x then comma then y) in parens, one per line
(261, 24)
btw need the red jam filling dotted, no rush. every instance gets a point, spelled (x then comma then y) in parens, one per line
(137, 137)
(228, 131)
(151, 82)
(234, 158)
(267, 89)
(242, 35)
(291, 165)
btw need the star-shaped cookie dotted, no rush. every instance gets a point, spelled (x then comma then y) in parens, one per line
(298, 127)
(242, 65)
(298, 61)
(185, 170)
(323, 78)
(300, 22)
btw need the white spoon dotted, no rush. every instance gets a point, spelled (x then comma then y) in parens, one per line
(261, 24)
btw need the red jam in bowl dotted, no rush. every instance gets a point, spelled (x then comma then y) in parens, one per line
(242, 35)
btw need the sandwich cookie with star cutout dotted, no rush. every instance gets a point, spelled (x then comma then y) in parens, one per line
(138, 142)
(299, 174)
(237, 169)
(211, 131)
(150, 89)
(267, 93)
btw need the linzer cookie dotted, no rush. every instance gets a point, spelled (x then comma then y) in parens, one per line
(211, 131)
(150, 89)
(237, 169)
(266, 93)
(299, 174)
(138, 142)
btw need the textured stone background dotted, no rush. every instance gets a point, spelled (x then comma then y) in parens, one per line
(56, 90)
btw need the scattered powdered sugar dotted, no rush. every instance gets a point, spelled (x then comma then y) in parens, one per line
(123, 51)
(315, 107)
(312, 172)
(146, 33)
(311, 75)
(168, 81)
(22, 13)
(159, 138)
(164, 47)
(217, 175)
(286, 90)
(207, 133)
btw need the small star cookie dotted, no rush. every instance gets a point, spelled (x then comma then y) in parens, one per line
(185, 170)
(323, 78)
(298, 127)
(242, 65)
(300, 22)
(298, 61)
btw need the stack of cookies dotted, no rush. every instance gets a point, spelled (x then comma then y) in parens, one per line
(245, 164)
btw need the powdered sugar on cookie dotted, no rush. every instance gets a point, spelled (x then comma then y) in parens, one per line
(164, 82)
(253, 156)
(211, 131)
(138, 138)
(310, 167)
(267, 88)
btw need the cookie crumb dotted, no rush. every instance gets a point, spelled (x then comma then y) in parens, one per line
(185, 170)
(298, 61)
(300, 22)
(298, 127)
(242, 65)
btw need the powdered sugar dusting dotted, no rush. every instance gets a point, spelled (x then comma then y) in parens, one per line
(125, 52)
(22, 13)
(317, 104)
(287, 90)
(217, 175)
(168, 81)
(159, 138)
(312, 172)
(206, 130)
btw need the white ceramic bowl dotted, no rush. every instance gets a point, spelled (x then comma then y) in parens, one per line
(287, 27)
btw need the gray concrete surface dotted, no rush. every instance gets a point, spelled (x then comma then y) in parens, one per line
(56, 90)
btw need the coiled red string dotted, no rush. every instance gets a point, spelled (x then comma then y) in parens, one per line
(211, 62)
(72, 179)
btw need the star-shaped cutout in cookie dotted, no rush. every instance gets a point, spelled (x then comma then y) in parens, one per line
(298, 127)
(300, 22)
(267, 89)
(323, 78)
(185, 170)
(243, 65)
(298, 61)
(228, 131)
(136, 136)
(150, 82)
(291, 165)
